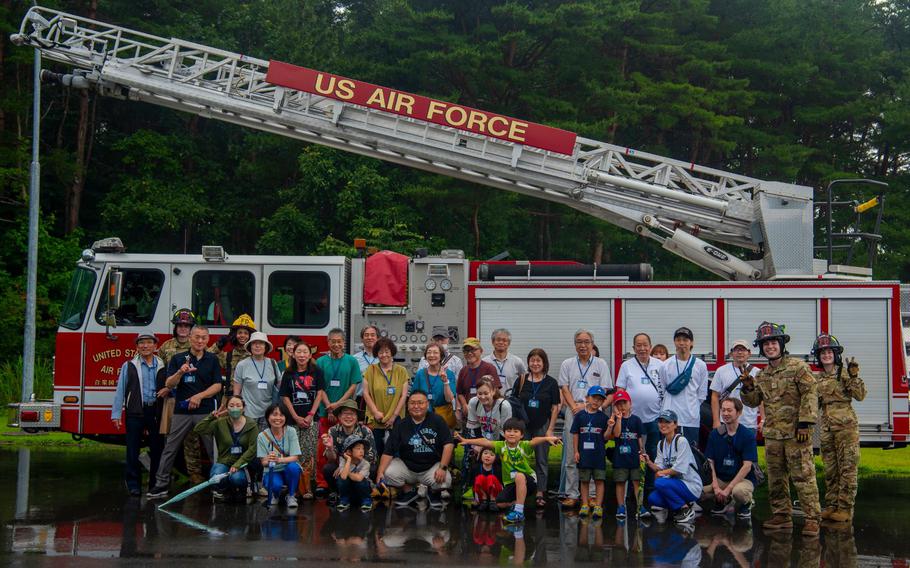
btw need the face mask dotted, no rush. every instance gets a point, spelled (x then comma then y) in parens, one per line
(235, 413)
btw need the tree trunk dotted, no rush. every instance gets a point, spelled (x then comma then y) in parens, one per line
(83, 148)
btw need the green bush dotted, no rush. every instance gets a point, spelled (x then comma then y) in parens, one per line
(11, 380)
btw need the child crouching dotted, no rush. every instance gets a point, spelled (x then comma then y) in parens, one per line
(517, 457)
(353, 476)
(487, 484)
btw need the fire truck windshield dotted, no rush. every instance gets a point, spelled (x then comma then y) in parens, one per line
(77, 299)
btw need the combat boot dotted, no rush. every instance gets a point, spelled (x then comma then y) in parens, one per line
(810, 528)
(778, 522)
(840, 516)
(828, 511)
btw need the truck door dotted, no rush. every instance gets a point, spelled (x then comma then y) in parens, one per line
(304, 300)
(143, 308)
(217, 293)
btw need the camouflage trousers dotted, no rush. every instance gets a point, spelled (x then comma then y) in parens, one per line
(840, 454)
(789, 460)
(192, 455)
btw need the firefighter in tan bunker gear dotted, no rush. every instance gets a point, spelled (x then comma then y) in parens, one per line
(837, 386)
(788, 390)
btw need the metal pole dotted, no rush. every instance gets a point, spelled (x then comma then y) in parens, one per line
(28, 355)
(22, 477)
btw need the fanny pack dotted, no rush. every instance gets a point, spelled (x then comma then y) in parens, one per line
(682, 381)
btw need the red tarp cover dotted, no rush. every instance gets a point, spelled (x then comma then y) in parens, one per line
(385, 279)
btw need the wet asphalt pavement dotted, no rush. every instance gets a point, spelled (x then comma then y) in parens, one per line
(75, 509)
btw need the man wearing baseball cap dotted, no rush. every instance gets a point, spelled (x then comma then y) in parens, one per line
(136, 400)
(475, 368)
(685, 380)
(727, 384)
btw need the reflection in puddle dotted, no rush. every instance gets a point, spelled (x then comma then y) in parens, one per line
(83, 513)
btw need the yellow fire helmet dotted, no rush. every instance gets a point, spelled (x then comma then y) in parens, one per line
(244, 321)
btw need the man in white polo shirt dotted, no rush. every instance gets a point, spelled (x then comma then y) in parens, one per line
(685, 380)
(576, 376)
(509, 367)
(726, 384)
(640, 377)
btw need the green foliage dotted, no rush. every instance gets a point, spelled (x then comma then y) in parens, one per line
(11, 380)
(802, 92)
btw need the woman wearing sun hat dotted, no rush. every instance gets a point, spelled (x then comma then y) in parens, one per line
(255, 379)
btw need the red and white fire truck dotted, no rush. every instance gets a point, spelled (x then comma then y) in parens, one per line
(691, 210)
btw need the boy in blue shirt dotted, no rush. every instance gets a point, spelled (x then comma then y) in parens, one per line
(588, 433)
(627, 430)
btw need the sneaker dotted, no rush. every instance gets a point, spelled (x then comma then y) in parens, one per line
(598, 512)
(621, 512)
(367, 505)
(321, 492)
(719, 510)
(343, 505)
(584, 511)
(685, 515)
(291, 502)
(157, 492)
(745, 511)
(218, 496)
(513, 516)
(406, 498)
(331, 500)
(262, 491)
(644, 513)
(435, 500)
(696, 507)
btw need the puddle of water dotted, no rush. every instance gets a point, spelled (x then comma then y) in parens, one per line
(76, 506)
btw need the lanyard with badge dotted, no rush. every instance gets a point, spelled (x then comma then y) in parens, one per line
(154, 369)
(500, 368)
(390, 390)
(189, 378)
(535, 387)
(589, 443)
(236, 447)
(472, 374)
(583, 381)
(431, 384)
(646, 378)
(336, 365)
(263, 384)
(366, 359)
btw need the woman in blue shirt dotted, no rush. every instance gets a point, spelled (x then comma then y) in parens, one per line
(439, 385)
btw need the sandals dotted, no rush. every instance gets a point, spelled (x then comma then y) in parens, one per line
(541, 501)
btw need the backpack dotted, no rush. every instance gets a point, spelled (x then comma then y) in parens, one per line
(518, 409)
(701, 465)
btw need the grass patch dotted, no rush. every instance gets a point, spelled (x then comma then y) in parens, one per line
(16, 438)
(11, 380)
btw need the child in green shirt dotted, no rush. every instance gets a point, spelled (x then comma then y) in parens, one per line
(517, 457)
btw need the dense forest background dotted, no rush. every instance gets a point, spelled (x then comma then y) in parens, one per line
(802, 91)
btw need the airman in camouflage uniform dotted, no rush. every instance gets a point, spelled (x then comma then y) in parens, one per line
(840, 427)
(789, 392)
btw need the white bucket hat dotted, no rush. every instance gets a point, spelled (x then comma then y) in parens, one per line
(259, 336)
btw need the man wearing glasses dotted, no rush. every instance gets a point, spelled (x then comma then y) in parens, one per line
(576, 376)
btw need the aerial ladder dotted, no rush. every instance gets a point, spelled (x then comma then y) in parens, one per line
(690, 209)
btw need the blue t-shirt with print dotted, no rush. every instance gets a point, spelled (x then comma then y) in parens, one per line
(625, 455)
(592, 447)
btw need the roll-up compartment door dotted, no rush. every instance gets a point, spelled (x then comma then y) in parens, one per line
(862, 327)
(549, 324)
(660, 318)
(799, 316)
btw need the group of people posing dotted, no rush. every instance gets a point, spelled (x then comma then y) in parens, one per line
(354, 427)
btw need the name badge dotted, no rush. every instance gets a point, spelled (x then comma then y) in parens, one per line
(645, 380)
(534, 403)
(390, 391)
(587, 446)
(189, 379)
(236, 450)
(473, 390)
(582, 384)
(729, 462)
(301, 396)
(262, 385)
(430, 396)
(335, 383)
(513, 474)
(625, 449)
